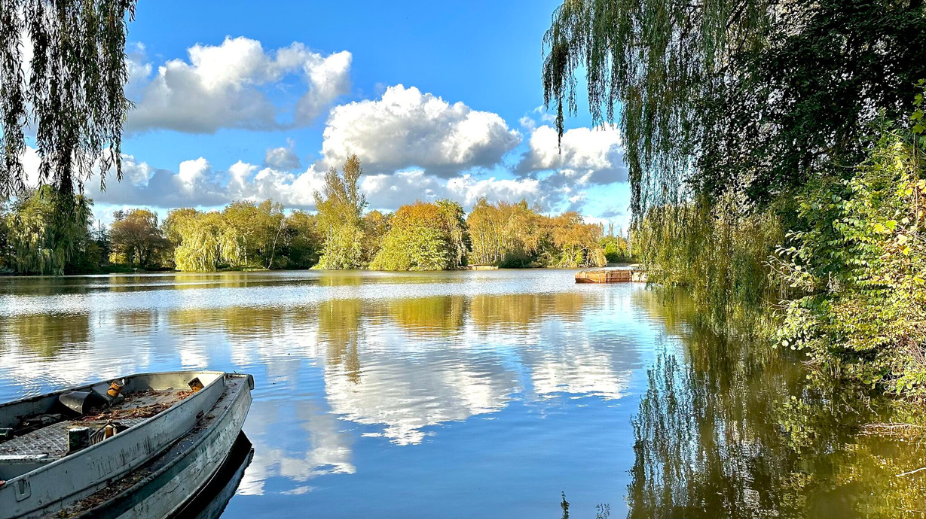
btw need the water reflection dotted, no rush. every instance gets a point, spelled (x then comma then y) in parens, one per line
(45, 335)
(359, 373)
(296, 441)
(339, 329)
(136, 321)
(417, 392)
(428, 316)
(521, 310)
(733, 429)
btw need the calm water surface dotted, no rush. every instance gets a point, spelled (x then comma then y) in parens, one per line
(475, 394)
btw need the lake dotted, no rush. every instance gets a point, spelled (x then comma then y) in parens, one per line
(478, 394)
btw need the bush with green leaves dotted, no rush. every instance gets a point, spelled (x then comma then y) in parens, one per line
(861, 263)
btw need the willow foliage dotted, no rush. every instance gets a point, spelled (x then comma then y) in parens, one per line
(38, 242)
(653, 60)
(751, 95)
(62, 68)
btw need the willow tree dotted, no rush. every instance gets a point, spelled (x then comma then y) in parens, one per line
(62, 75)
(39, 243)
(713, 95)
(652, 61)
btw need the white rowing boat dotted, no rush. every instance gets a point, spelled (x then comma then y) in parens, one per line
(137, 446)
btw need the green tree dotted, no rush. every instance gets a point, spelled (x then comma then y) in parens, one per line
(615, 249)
(302, 242)
(71, 91)
(6, 256)
(254, 232)
(102, 243)
(340, 209)
(376, 226)
(40, 241)
(453, 227)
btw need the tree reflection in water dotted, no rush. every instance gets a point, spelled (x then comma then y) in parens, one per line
(437, 316)
(729, 428)
(47, 335)
(602, 511)
(339, 330)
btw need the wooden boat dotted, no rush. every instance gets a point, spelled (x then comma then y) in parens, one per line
(138, 446)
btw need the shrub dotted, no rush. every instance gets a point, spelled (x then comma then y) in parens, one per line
(861, 264)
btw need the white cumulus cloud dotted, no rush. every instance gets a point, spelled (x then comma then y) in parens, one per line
(388, 192)
(587, 155)
(408, 128)
(284, 157)
(224, 86)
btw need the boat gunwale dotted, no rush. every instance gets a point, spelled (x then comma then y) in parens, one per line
(36, 398)
(64, 459)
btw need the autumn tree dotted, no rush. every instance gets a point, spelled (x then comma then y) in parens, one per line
(425, 236)
(503, 234)
(577, 241)
(136, 239)
(515, 235)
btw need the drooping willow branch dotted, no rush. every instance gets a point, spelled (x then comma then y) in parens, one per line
(62, 76)
(651, 61)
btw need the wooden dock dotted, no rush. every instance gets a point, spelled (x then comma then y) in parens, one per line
(610, 276)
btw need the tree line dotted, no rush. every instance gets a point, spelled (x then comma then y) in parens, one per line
(341, 234)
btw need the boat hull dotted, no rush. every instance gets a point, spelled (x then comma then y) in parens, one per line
(604, 276)
(178, 474)
(210, 502)
(618, 275)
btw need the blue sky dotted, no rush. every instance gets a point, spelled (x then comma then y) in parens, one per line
(439, 99)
